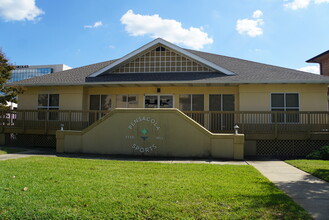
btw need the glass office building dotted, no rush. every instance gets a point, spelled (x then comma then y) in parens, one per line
(20, 74)
(26, 71)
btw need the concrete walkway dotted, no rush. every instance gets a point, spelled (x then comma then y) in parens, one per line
(309, 192)
(47, 153)
(23, 154)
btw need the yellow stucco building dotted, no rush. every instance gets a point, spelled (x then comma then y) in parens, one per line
(268, 103)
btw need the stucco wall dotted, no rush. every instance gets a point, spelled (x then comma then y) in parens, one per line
(258, 97)
(150, 132)
(247, 97)
(70, 97)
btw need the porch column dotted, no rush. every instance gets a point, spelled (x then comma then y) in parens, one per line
(141, 100)
(206, 108)
(176, 100)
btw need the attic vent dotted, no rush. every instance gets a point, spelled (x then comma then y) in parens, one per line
(160, 49)
(162, 59)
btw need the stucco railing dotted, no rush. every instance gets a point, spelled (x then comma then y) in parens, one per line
(251, 122)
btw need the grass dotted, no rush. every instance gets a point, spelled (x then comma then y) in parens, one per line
(66, 188)
(7, 150)
(318, 168)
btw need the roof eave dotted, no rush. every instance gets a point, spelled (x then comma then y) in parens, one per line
(179, 82)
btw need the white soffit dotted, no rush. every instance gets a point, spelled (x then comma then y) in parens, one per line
(169, 45)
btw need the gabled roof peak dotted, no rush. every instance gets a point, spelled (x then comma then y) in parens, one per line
(163, 42)
(317, 58)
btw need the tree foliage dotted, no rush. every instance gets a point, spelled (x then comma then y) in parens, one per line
(8, 93)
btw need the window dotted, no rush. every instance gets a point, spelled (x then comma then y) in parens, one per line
(127, 101)
(193, 102)
(285, 102)
(222, 121)
(159, 101)
(220, 102)
(48, 102)
(151, 101)
(100, 102)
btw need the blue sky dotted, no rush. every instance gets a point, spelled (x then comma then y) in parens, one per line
(82, 32)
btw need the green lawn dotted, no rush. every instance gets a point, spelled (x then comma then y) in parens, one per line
(65, 188)
(318, 168)
(7, 150)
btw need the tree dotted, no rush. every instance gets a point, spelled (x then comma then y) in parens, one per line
(7, 93)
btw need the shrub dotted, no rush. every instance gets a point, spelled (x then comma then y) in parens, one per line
(321, 154)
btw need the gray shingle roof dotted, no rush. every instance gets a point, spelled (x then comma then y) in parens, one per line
(249, 71)
(245, 72)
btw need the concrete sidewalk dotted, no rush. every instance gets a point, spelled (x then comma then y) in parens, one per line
(308, 191)
(23, 154)
(50, 153)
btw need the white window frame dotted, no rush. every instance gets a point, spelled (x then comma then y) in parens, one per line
(284, 100)
(127, 102)
(158, 95)
(48, 107)
(285, 107)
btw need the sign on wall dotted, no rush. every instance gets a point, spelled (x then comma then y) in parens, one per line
(144, 134)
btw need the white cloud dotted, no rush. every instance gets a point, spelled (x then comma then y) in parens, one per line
(297, 4)
(311, 69)
(257, 14)
(251, 27)
(18, 10)
(321, 1)
(95, 25)
(168, 29)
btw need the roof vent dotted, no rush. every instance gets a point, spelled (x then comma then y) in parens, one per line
(160, 49)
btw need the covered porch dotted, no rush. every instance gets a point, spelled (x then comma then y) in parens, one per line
(266, 133)
(256, 125)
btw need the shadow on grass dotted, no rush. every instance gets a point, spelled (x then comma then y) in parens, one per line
(278, 205)
(322, 174)
(145, 158)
